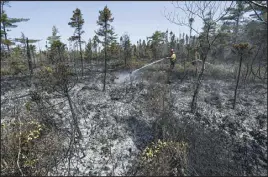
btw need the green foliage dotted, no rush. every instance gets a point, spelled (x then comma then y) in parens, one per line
(126, 47)
(155, 42)
(17, 66)
(105, 30)
(28, 144)
(26, 134)
(22, 41)
(235, 13)
(54, 36)
(95, 42)
(5, 71)
(113, 50)
(88, 51)
(233, 20)
(209, 24)
(77, 23)
(172, 40)
(56, 51)
(164, 158)
(57, 78)
(242, 48)
(28, 105)
(6, 24)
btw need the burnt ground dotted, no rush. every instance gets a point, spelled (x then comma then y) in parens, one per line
(117, 125)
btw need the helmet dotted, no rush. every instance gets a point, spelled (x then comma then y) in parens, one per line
(171, 50)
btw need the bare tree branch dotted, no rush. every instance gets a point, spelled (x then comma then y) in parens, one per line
(224, 12)
(259, 17)
(257, 4)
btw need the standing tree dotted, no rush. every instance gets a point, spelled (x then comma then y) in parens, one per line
(77, 23)
(188, 43)
(106, 31)
(26, 49)
(209, 12)
(241, 50)
(172, 40)
(126, 46)
(191, 20)
(234, 17)
(60, 80)
(95, 44)
(54, 36)
(29, 57)
(33, 54)
(7, 23)
(52, 51)
(88, 51)
(155, 41)
(22, 41)
(166, 50)
(143, 49)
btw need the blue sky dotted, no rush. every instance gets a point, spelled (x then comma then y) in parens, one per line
(137, 18)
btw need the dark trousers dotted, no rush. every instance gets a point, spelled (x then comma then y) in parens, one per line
(172, 64)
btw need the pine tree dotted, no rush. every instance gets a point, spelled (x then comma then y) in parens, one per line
(172, 40)
(6, 24)
(77, 23)
(106, 31)
(155, 41)
(233, 19)
(54, 36)
(126, 47)
(95, 44)
(22, 40)
(143, 48)
(88, 51)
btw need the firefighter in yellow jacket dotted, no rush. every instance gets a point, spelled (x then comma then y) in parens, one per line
(172, 64)
(172, 59)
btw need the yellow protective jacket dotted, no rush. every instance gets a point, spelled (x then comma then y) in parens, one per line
(173, 57)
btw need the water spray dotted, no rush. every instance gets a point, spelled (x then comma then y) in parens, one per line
(147, 65)
(131, 73)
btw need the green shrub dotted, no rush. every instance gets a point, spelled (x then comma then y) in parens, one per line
(28, 147)
(219, 72)
(5, 71)
(17, 66)
(164, 158)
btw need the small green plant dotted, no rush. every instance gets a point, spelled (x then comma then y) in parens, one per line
(48, 69)
(155, 149)
(164, 158)
(5, 71)
(28, 105)
(17, 66)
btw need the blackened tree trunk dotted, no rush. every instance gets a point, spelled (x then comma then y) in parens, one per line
(75, 121)
(105, 57)
(237, 80)
(29, 57)
(198, 85)
(81, 56)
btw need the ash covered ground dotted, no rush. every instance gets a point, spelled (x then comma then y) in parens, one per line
(118, 124)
